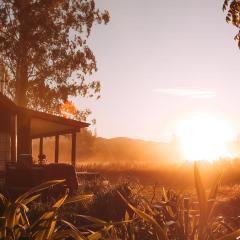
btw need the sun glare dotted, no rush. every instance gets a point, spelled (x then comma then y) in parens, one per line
(204, 138)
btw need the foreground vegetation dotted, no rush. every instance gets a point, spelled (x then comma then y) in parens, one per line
(118, 212)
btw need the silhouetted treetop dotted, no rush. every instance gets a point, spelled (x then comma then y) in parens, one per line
(233, 15)
(43, 46)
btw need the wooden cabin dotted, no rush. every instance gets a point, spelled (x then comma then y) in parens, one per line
(8, 137)
(36, 125)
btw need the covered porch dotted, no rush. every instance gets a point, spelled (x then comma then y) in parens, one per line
(20, 126)
(44, 125)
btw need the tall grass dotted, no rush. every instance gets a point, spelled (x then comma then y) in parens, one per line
(173, 217)
(15, 225)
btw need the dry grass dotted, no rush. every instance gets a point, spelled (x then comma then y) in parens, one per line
(127, 210)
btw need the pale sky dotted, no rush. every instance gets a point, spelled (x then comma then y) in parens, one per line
(159, 61)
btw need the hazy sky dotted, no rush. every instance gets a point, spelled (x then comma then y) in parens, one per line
(159, 61)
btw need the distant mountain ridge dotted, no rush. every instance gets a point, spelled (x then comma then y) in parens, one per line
(123, 149)
(118, 150)
(112, 150)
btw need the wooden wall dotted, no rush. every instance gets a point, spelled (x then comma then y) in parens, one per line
(4, 121)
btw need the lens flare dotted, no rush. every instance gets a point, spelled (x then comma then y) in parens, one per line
(204, 138)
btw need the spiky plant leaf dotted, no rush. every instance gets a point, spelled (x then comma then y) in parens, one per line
(168, 208)
(159, 231)
(212, 197)
(78, 198)
(231, 236)
(100, 234)
(201, 195)
(69, 233)
(39, 188)
(44, 227)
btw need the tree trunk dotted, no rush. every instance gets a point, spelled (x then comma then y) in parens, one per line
(23, 120)
(24, 143)
(21, 85)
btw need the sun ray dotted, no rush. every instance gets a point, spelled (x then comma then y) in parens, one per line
(204, 137)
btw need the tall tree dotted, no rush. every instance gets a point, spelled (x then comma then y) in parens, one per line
(43, 46)
(233, 15)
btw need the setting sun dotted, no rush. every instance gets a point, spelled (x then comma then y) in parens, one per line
(204, 138)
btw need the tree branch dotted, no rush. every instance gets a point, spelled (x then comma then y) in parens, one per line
(10, 19)
(11, 67)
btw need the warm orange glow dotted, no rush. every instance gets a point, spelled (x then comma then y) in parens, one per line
(204, 138)
(68, 110)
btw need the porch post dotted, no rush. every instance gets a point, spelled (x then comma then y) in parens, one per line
(23, 134)
(56, 148)
(41, 146)
(74, 143)
(13, 130)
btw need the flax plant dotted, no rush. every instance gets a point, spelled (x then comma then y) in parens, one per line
(14, 223)
(173, 217)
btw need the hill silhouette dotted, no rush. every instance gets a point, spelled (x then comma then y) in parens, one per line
(133, 151)
(122, 150)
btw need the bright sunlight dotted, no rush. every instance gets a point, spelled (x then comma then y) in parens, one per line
(204, 138)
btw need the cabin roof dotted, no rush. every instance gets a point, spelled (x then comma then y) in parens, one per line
(43, 124)
(7, 104)
(47, 125)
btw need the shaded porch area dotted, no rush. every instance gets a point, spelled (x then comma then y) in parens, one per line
(48, 126)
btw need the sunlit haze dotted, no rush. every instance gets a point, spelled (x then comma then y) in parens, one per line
(204, 137)
(128, 111)
(159, 61)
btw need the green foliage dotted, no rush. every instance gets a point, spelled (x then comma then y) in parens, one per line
(233, 15)
(16, 225)
(206, 205)
(173, 217)
(86, 143)
(176, 217)
(160, 232)
(43, 45)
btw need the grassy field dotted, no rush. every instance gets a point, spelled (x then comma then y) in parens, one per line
(126, 209)
(177, 176)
